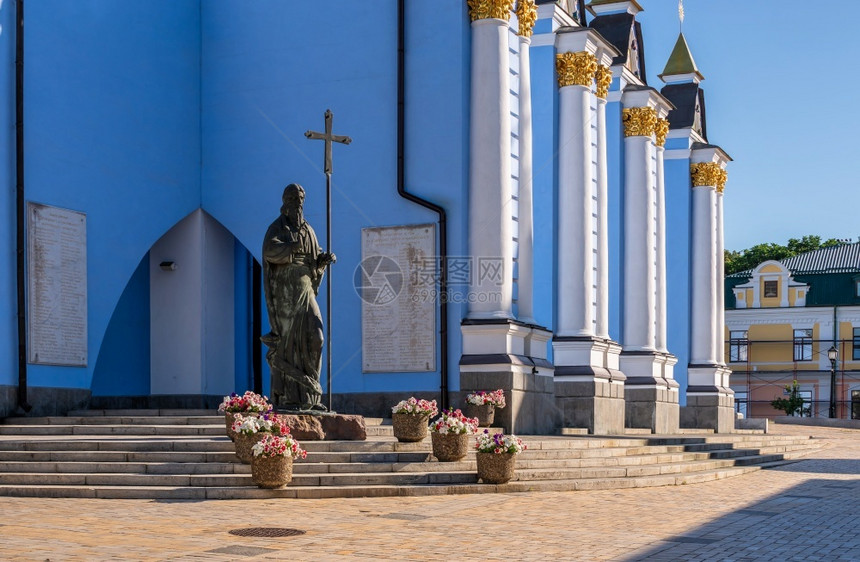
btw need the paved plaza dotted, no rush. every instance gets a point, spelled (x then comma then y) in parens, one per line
(807, 510)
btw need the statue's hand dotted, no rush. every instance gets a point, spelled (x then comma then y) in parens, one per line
(327, 259)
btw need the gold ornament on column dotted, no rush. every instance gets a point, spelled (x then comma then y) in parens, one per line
(603, 78)
(575, 69)
(661, 130)
(639, 121)
(527, 16)
(707, 174)
(487, 9)
(721, 182)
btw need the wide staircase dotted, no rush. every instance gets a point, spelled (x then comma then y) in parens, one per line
(182, 454)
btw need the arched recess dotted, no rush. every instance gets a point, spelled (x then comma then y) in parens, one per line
(185, 331)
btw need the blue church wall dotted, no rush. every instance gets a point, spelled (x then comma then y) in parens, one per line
(8, 327)
(545, 182)
(678, 236)
(269, 73)
(615, 180)
(112, 129)
(242, 313)
(122, 367)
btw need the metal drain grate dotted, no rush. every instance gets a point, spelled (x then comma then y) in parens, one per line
(267, 532)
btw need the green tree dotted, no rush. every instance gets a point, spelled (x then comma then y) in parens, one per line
(793, 404)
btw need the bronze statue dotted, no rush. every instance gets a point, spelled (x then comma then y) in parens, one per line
(293, 267)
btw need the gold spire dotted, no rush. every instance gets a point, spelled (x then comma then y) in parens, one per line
(681, 60)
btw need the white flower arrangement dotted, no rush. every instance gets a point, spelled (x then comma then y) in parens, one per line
(248, 402)
(454, 422)
(499, 443)
(496, 398)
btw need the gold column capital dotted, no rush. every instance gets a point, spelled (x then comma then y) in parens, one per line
(639, 121)
(603, 78)
(487, 9)
(526, 16)
(707, 174)
(661, 130)
(575, 69)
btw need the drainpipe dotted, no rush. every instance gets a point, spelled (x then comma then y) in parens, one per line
(401, 189)
(19, 204)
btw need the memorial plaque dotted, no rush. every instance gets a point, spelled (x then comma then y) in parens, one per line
(397, 282)
(56, 286)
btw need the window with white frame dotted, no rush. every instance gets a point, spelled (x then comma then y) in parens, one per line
(738, 345)
(803, 344)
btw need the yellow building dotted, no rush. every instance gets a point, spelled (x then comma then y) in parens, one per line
(782, 318)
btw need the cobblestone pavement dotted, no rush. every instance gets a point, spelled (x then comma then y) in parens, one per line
(803, 511)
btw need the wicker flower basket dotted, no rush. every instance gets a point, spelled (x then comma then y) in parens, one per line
(449, 447)
(484, 412)
(272, 472)
(243, 444)
(496, 468)
(228, 420)
(410, 428)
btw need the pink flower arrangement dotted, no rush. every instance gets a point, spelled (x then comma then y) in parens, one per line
(248, 402)
(454, 422)
(499, 443)
(416, 406)
(496, 398)
(278, 446)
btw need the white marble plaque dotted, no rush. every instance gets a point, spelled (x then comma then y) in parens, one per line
(56, 286)
(396, 281)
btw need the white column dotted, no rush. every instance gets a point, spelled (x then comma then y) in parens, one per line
(602, 327)
(639, 245)
(720, 282)
(490, 224)
(525, 259)
(704, 290)
(575, 222)
(660, 335)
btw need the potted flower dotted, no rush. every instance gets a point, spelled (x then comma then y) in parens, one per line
(496, 456)
(250, 429)
(247, 403)
(272, 461)
(450, 435)
(483, 404)
(410, 418)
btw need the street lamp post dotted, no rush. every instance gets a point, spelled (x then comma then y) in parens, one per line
(832, 353)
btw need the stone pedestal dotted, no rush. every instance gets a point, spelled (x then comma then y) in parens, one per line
(328, 426)
(709, 407)
(494, 356)
(651, 399)
(589, 387)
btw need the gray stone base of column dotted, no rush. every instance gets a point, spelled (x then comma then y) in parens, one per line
(597, 405)
(530, 397)
(709, 408)
(651, 406)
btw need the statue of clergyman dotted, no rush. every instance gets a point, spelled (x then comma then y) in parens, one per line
(293, 267)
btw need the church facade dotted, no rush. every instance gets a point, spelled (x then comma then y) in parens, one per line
(518, 208)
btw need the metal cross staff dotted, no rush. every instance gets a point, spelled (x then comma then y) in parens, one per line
(328, 137)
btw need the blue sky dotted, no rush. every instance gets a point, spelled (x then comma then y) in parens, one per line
(781, 91)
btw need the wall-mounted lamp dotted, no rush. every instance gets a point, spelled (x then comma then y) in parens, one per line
(168, 265)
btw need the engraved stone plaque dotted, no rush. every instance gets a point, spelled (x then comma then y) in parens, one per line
(56, 286)
(396, 281)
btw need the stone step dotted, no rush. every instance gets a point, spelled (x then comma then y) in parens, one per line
(117, 456)
(186, 445)
(117, 420)
(135, 412)
(314, 492)
(131, 429)
(77, 467)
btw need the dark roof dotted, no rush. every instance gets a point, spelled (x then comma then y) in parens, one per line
(615, 28)
(844, 258)
(684, 98)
